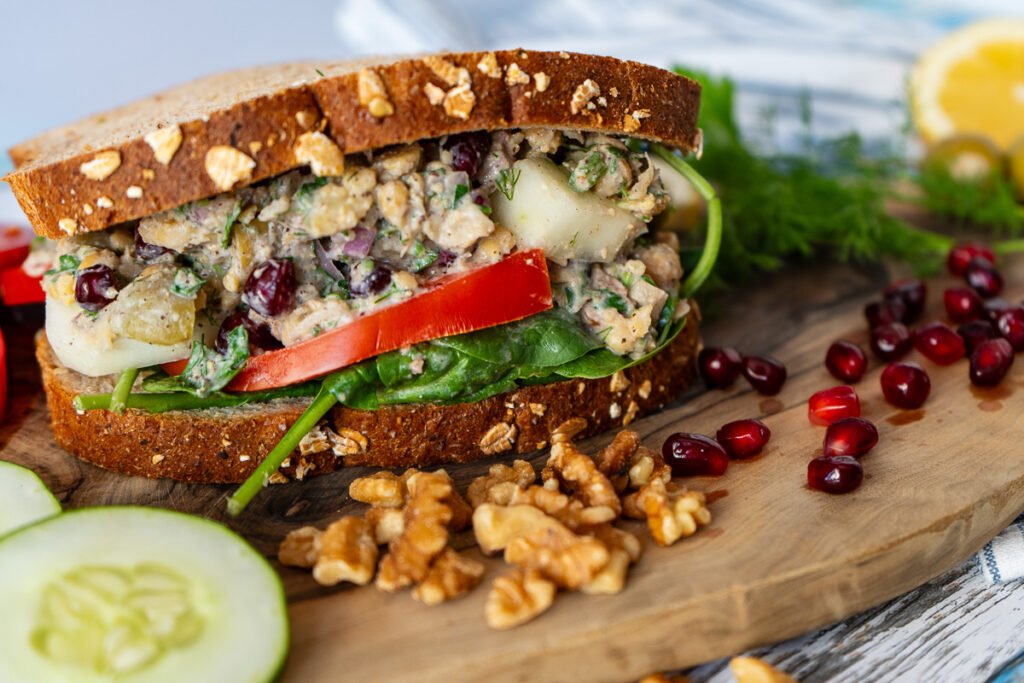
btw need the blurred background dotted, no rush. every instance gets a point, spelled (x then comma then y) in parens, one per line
(69, 59)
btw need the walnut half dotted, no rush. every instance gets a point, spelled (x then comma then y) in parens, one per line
(518, 597)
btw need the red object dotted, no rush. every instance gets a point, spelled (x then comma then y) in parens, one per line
(891, 341)
(829, 405)
(720, 367)
(18, 288)
(885, 312)
(840, 474)
(14, 244)
(765, 374)
(905, 385)
(993, 308)
(1010, 326)
(983, 277)
(846, 361)
(743, 438)
(975, 332)
(3, 376)
(512, 289)
(962, 304)
(852, 436)
(691, 455)
(990, 362)
(939, 343)
(960, 256)
(912, 294)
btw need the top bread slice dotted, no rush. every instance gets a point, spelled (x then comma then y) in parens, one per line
(155, 154)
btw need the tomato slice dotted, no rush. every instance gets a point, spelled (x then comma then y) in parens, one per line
(18, 288)
(512, 289)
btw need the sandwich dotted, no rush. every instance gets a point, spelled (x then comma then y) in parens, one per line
(279, 271)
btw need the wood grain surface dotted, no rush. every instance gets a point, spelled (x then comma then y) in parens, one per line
(777, 561)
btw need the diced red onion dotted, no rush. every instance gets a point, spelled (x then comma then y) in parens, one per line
(325, 262)
(361, 243)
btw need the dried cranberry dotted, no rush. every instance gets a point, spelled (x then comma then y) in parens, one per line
(852, 436)
(885, 312)
(765, 374)
(260, 336)
(891, 341)
(962, 304)
(376, 282)
(468, 150)
(983, 277)
(694, 454)
(146, 251)
(912, 294)
(990, 362)
(960, 256)
(939, 343)
(975, 332)
(905, 385)
(444, 258)
(95, 287)
(829, 405)
(270, 290)
(846, 361)
(840, 474)
(1010, 327)
(743, 438)
(719, 366)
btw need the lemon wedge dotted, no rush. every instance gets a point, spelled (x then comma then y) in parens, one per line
(972, 81)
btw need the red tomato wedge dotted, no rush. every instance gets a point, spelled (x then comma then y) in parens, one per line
(512, 289)
(14, 244)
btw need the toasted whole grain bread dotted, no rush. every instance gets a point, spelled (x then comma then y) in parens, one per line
(226, 445)
(262, 111)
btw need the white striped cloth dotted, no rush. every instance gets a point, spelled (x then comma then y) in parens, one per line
(1002, 558)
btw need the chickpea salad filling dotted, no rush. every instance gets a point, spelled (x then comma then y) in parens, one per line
(550, 237)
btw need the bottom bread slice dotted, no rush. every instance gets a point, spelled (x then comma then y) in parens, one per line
(226, 445)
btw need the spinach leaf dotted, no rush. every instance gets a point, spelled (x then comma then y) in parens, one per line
(207, 371)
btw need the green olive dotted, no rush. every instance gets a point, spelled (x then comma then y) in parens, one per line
(966, 157)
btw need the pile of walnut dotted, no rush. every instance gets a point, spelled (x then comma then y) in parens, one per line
(556, 534)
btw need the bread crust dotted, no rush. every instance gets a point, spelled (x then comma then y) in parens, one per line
(225, 446)
(262, 111)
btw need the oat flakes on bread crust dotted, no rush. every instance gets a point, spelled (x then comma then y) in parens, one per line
(362, 105)
(225, 445)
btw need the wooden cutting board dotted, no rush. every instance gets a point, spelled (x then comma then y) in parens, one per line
(779, 559)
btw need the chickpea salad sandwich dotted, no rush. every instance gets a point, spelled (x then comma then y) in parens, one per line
(279, 271)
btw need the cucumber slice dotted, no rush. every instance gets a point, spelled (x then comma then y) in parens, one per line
(24, 498)
(137, 595)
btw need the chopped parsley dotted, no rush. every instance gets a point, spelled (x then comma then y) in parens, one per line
(588, 171)
(460, 192)
(187, 283)
(66, 263)
(422, 256)
(225, 238)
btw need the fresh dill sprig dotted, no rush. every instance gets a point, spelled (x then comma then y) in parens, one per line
(988, 203)
(506, 182)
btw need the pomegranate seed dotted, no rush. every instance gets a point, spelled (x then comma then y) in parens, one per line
(852, 436)
(692, 455)
(891, 341)
(765, 374)
(990, 362)
(939, 343)
(960, 256)
(1010, 326)
(743, 438)
(905, 385)
(829, 405)
(270, 290)
(984, 278)
(975, 332)
(885, 312)
(95, 287)
(468, 150)
(962, 304)
(912, 294)
(260, 336)
(846, 361)
(720, 367)
(840, 474)
(993, 308)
